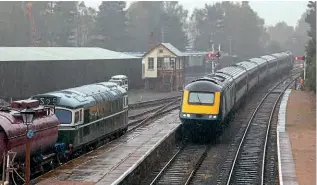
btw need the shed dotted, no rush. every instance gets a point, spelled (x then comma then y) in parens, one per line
(26, 71)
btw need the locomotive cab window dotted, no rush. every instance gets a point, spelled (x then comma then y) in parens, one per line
(76, 117)
(201, 98)
(64, 116)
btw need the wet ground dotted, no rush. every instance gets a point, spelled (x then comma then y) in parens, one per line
(111, 161)
(141, 95)
(301, 127)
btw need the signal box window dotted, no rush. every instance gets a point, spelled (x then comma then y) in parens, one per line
(172, 62)
(150, 63)
(160, 62)
(201, 98)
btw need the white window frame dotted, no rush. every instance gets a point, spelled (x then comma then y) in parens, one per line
(150, 64)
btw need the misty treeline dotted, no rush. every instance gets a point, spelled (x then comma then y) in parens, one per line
(311, 46)
(234, 25)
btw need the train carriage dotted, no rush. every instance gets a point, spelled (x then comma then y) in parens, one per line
(273, 63)
(282, 57)
(88, 113)
(252, 70)
(240, 78)
(263, 67)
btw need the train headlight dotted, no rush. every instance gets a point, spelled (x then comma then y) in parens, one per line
(215, 117)
(210, 116)
(186, 115)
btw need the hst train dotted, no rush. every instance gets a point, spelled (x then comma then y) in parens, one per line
(207, 101)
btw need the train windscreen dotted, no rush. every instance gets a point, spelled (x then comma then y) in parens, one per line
(201, 98)
(63, 116)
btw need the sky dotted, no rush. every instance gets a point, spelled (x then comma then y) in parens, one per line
(270, 11)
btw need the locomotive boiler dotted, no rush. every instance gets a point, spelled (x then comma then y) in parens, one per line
(13, 133)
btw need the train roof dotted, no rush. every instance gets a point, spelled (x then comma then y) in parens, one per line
(119, 76)
(219, 78)
(259, 61)
(269, 58)
(289, 53)
(247, 65)
(280, 55)
(113, 86)
(224, 76)
(83, 96)
(234, 71)
(203, 84)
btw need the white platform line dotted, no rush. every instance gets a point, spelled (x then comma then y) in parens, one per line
(282, 138)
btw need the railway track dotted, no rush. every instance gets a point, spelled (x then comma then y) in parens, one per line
(181, 167)
(249, 163)
(185, 168)
(151, 114)
(152, 103)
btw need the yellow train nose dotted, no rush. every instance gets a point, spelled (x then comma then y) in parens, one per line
(205, 109)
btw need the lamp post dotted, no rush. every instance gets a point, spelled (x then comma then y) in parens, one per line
(27, 116)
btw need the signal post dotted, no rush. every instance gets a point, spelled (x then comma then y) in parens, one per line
(211, 59)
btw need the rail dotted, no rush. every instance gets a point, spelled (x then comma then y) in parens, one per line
(161, 110)
(247, 163)
(152, 102)
(176, 169)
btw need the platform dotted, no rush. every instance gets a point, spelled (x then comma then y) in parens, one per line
(297, 138)
(141, 95)
(114, 160)
(286, 165)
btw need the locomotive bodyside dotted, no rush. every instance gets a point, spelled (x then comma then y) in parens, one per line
(88, 114)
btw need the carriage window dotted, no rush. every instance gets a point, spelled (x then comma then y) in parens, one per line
(64, 116)
(242, 83)
(86, 116)
(272, 64)
(263, 68)
(76, 116)
(80, 115)
(201, 98)
(254, 74)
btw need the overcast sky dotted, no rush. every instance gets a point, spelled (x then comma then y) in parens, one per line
(271, 11)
